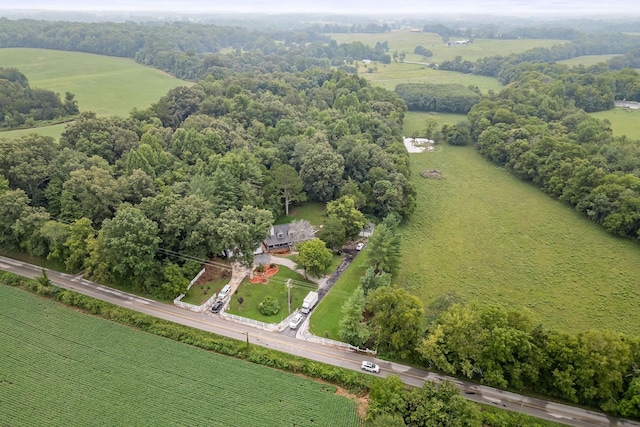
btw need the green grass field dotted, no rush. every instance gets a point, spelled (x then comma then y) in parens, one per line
(59, 367)
(487, 236)
(198, 294)
(623, 121)
(253, 294)
(405, 41)
(390, 75)
(586, 60)
(326, 317)
(310, 211)
(103, 84)
(414, 121)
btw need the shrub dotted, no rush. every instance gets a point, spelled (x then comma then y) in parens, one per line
(269, 306)
(240, 300)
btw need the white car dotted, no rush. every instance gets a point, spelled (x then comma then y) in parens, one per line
(360, 246)
(370, 366)
(296, 321)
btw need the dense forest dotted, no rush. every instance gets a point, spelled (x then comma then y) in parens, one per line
(201, 171)
(23, 106)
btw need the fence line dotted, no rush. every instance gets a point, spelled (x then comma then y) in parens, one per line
(197, 308)
(308, 336)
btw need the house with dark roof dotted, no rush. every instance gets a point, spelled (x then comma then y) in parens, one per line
(282, 238)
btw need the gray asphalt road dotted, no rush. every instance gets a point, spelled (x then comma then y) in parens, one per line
(547, 410)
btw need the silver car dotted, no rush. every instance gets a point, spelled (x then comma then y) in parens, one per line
(370, 366)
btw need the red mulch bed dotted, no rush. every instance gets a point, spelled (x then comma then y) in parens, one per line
(263, 277)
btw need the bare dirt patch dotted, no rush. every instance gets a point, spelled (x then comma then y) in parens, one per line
(361, 401)
(432, 174)
(212, 274)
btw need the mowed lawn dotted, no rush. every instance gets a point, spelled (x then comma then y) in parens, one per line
(103, 84)
(489, 237)
(59, 367)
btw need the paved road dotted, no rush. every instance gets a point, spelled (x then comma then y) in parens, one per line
(511, 401)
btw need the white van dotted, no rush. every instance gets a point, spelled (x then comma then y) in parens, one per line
(224, 292)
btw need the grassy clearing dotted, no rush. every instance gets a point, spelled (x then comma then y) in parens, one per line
(488, 236)
(586, 60)
(389, 75)
(253, 294)
(311, 211)
(414, 121)
(623, 121)
(61, 368)
(53, 130)
(326, 317)
(102, 84)
(199, 293)
(405, 41)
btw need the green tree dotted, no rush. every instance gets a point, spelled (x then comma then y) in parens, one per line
(242, 231)
(396, 321)
(353, 328)
(129, 244)
(630, 405)
(313, 257)
(352, 219)
(14, 204)
(269, 306)
(440, 405)
(371, 280)
(384, 250)
(77, 244)
(321, 170)
(387, 397)
(289, 185)
(92, 193)
(332, 232)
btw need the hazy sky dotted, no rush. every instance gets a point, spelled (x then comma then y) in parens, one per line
(627, 8)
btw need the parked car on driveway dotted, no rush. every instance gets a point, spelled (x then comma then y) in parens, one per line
(370, 366)
(295, 322)
(217, 306)
(360, 246)
(224, 292)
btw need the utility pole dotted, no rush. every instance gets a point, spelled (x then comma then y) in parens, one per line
(289, 294)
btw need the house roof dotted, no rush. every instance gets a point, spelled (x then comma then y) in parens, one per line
(278, 235)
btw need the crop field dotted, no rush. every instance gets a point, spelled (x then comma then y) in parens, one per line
(623, 121)
(59, 367)
(103, 84)
(389, 75)
(487, 236)
(405, 41)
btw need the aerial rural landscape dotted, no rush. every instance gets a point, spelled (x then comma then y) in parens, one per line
(319, 218)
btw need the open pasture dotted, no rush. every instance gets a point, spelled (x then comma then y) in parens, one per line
(404, 40)
(389, 75)
(487, 236)
(103, 84)
(623, 121)
(59, 367)
(586, 60)
(414, 121)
